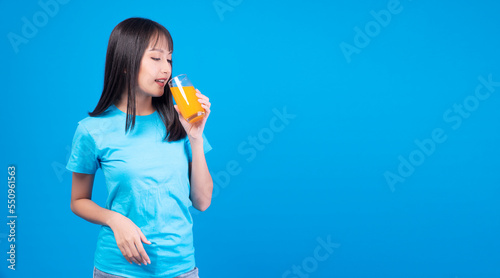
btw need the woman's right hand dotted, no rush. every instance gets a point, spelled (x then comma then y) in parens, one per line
(128, 238)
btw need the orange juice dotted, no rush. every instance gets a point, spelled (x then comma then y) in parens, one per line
(188, 104)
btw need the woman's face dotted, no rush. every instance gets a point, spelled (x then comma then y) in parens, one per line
(155, 70)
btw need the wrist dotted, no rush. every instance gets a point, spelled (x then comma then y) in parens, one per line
(195, 140)
(113, 216)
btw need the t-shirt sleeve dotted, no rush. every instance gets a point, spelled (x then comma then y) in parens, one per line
(206, 147)
(83, 158)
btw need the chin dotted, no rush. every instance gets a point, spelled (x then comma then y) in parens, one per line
(157, 94)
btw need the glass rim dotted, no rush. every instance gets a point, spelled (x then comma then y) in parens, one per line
(178, 78)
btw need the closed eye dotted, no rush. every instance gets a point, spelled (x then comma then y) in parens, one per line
(156, 59)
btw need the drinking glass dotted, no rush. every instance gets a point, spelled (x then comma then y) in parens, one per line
(185, 97)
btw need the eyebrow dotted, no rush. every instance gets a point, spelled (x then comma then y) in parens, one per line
(159, 50)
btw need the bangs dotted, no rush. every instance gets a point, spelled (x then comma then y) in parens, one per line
(159, 36)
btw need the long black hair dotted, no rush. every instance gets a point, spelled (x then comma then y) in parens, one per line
(127, 44)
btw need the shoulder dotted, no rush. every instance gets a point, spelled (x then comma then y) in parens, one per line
(91, 123)
(101, 122)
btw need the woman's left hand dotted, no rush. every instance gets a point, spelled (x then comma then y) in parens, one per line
(195, 130)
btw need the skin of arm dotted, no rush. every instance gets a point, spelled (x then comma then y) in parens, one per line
(199, 176)
(81, 203)
(128, 236)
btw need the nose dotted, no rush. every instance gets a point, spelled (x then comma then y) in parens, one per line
(166, 67)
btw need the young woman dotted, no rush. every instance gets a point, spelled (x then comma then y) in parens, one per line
(153, 161)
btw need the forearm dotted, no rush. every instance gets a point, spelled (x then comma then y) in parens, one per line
(92, 212)
(201, 181)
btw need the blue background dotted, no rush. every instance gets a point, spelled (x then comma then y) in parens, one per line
(321, 176)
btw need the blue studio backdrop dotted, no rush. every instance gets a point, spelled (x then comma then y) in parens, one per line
(350, 138)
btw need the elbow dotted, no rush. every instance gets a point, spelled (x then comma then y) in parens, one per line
(72, 206)
(203, 207)
(202, 201)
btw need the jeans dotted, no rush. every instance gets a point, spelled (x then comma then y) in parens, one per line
(190, 274)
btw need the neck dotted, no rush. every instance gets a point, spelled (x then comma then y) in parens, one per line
(143, 104)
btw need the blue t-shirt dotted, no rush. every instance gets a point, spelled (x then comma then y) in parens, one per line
(147, 181)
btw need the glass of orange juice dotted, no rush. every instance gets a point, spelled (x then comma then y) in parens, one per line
(185, 97)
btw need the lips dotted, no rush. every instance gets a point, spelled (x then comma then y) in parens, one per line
(161, 82)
